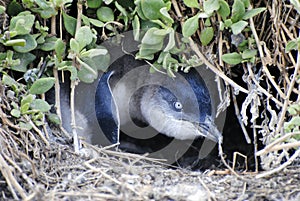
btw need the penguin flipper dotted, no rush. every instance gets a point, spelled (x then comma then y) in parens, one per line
(106, 109)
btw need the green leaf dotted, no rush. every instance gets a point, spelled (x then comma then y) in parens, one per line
(7, 80)
(87, 73)
(136, 28)
(105, 14)
(190, 26)
(246, 3)
(69, 23)
(252, 13)
(98, 63)
(25, 126)
(74, 45)
(37, 121)
(209, 6)
(54, 118)
(232, 58)
(294, 109)
(15, 113)
(2, 10)
(150, 8)
(25, 108)
(86, 20)
(86, 76)
(22, 23)
(139, 9)
(49, 44)
(247, 54)
(162, 32)
(94, 52)
(166, 16)
(71, 69)
(296, 4)
(27, 99)
(84, 36)
(15, 42)
(42, 85)
(96, 23)
(121, 9)
(60, 48)
(295, 121)
(206, 35)
(191, 3)
(40, 105)
(292, 45)
(31, 44)
(224, 9)
(94, 3)
(171, 42)
(228, 23)
(153, 37)
(25, 60)
(238, 27)
(147, 51)
(46, 9)
(107, 2)
(238, 11)
(98, 59)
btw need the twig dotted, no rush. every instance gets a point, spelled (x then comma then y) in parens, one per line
(55, 71)
(211, 196)
(57, 93)
(220, 44)
(60, 23)
(76, 141)
(135, 156)
(264, 65)
(36, 129)
(214, 69)
(269, 147)
(6, 121)
(255, 143)
(103, 36)
(265, 92)
(18, 168)
(79, 15)
(93, 195)
(289, 92)
(221, 154)
(237, 113)
(235, 158)
(285, 146)
(44, 120)
(11, 180)
(73, 119)
(288, 162)
(88, 165)
(176, 7)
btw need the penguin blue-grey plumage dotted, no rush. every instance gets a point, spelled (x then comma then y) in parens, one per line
(177, 107)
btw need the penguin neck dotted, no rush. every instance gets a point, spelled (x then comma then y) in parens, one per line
(135, 108)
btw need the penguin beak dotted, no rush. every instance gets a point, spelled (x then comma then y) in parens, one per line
(209, 130)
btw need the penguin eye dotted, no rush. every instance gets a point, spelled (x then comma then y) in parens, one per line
(177, 105)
